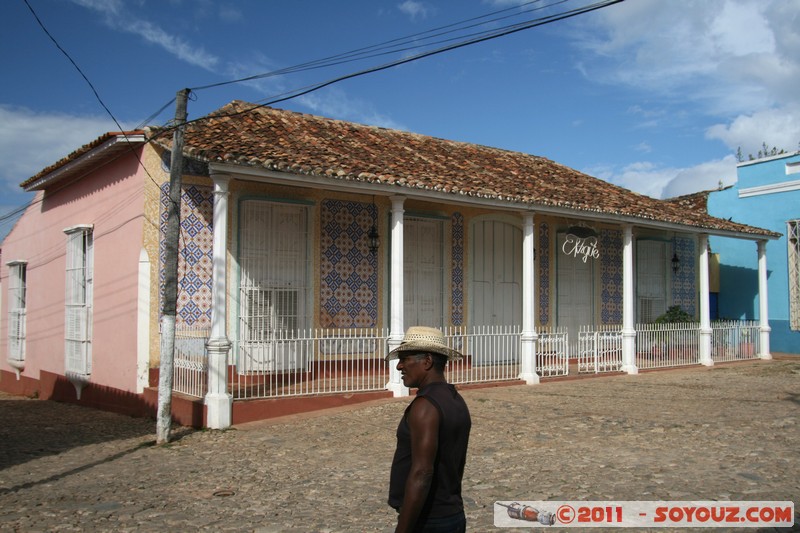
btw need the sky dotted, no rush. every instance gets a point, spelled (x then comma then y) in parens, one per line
(652, 95)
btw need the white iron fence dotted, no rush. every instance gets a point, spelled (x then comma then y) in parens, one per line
(314, 361)
(319, 361)
(600, 349)
(552, 352)
(666, 345)
(491, 353)
(735, 340)
(190, 375)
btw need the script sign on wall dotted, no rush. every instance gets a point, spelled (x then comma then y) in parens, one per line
(581, 242)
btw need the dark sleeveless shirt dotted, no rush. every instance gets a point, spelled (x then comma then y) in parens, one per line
(444, 497)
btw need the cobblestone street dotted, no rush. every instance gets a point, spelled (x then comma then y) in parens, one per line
(729, 432)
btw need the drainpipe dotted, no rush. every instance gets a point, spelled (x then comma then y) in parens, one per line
(396, 331)
(628, 330)
(763, 309)
(705, 305)
(528, 336)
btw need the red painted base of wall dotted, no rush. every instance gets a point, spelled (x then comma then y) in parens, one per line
(252, 410)
(186, 410)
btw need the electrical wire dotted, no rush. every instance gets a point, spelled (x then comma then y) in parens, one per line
(369, 51)
(482, 37)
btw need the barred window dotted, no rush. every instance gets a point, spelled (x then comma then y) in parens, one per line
(17, 289)
(793, 240)
(78, 300)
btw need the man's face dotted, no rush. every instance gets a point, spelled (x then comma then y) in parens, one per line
(412, 368)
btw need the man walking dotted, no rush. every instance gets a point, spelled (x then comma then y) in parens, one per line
(432, 439)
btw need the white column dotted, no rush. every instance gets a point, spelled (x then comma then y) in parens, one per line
(628, 300)
(528, 337)
(396, 328)
(705, 305)
(219, 403)
(763, 309)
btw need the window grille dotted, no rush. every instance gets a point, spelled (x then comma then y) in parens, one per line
(651, 279)
(78, 301)
(274, 281)
(793, 240)
(17, 289)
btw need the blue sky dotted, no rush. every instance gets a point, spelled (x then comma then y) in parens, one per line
(652, 95)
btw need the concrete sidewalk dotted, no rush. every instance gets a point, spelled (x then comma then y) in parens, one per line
(729, 432)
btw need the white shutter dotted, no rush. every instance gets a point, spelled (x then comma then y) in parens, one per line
(651, 279)
(78, 300)
(423, 272)
(17, 287)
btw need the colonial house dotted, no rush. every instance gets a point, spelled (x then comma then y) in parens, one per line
(308, 245)
(766, 194)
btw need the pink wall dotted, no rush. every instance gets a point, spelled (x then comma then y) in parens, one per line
(112, 198)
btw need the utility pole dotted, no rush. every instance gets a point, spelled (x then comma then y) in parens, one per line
(169, 302)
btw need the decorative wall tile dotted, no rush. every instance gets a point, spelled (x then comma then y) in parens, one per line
(684, 287)
(610, 243)
(543, 258)
(348, 270)
(457, 316)
(195, 249)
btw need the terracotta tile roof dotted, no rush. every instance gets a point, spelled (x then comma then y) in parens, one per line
(285, 141)
(74, 157)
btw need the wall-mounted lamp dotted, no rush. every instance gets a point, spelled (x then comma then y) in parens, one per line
(374, 239)
(676, 263)
(582, 232)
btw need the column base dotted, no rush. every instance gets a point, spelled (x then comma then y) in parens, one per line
(530, 379)
(398, 390)
(219, 412)
(630, 369)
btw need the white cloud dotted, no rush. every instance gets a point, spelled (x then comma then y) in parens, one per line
(230, 14)
(31, 141)
(735, 60)
(414, 9)
(779, 127)
(702, 177)
(736, 56)
(336, 104)
(117, 17)
(657, 181)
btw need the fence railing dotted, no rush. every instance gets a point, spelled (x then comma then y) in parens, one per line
(190, 374)
(313, 361)
(599, 349)
(319, 361)
(491, 353)
(666, 345)
(735, 340)
(552, 352)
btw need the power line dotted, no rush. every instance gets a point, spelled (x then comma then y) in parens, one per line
(482, 37)
(369, 51)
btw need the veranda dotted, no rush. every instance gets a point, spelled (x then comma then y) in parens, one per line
(346, 361)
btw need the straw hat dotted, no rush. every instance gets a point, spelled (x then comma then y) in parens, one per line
(424, 340)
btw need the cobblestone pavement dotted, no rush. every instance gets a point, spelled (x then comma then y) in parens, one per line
(724, 433)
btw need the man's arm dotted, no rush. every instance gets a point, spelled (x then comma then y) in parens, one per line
(423, 422)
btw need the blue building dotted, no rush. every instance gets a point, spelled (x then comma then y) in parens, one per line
(767, 195)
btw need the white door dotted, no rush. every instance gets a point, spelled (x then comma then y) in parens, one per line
(651, 280)
(496, 274)
(423, 272)
(273, 285)
(575, 300)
